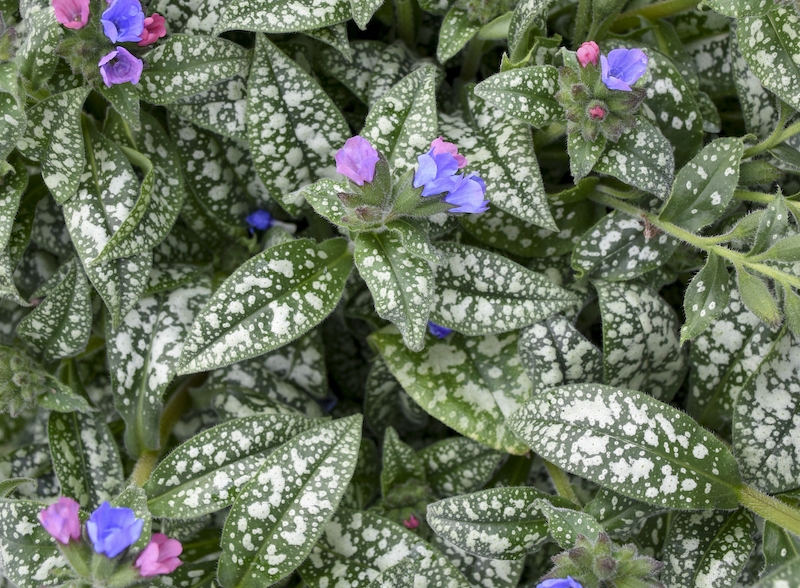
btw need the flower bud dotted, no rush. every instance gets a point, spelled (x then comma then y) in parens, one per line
(588, 53)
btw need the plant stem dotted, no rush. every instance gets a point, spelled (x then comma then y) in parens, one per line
(770, 508)
(581, 23)
(472, 59)
(776, 138)
(563, 487)
(748, 196)
(144, 467)
(630, 19)
(404, 10)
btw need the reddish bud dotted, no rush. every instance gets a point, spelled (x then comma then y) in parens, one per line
(597, 113)
(411, 522)
(588, 53)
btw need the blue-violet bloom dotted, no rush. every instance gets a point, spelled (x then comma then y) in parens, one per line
(120, 66)
(467, 194)
(111, 530)
(123, 21)
(438, 330)
(357, 160)
(260, 219)
(437, 172)
(568, 582)
(622, 68)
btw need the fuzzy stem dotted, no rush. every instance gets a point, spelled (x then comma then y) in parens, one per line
(776, 138)
(560, 481)
(144, 467)
(404, 10)
(581, 23)
(472, 59)
(748, 196)
(770, 508)
(630, 19)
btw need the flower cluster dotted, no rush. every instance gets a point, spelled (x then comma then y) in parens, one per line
(601, 100)
(122, 22)
(437, 174)
(112, 530)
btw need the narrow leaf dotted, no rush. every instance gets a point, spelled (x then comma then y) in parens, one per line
(706, 297)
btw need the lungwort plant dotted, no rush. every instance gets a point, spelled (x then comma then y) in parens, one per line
(400, 294)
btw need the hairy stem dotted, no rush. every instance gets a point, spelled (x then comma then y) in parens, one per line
(581, 23)
(770, 508)
(563, 487)
(630, 19)
(404, 9)
(776, 138)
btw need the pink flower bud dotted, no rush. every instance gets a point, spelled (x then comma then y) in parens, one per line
(411, 522)
(61, 520)
(159, 557)
(441, 146)
(597, 113)
(154, 29)
(73, 14)
(589, 52)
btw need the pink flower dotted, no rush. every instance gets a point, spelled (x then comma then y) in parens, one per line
(154, 29)
(597, 113)
(61, 520)
(411, 522)
(357, 160)
(160, 556)
(441, 146)
(589, 52)
(73, 14)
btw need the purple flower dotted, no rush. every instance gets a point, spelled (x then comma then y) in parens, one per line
(260, 219)
(73, 14)
(61, 520)
(120, 66)
(568, 582)
(467, 194)
(437, 172)
(357, 160)
(113, 529)
(438, 330)
(123, 21)
(622, 68)
(441, 146)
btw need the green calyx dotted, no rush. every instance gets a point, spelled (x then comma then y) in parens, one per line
(601, 564)
(21, 380)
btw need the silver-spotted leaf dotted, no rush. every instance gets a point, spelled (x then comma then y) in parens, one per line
(527, 94)
(565, 524)
(458, 465)
(706, 297)
(456, 31)
(283, 16)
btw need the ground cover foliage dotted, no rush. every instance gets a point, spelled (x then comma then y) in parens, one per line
(216, 348)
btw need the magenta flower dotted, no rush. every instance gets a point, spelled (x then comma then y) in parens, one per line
(357, 160)
(120, 66)
(411, 522)
(123, 21)
(438, 331)
(73, 14)
(112, 530)
(441, 146)
(622, 68)
(154, 29)
(588, 53)
(568, 582)
(467, 194)
(159, 557)
(61, 520)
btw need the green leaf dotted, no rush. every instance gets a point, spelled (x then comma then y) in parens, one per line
(493, 573)
(554, 353)
(780, 547)
(739, 8)
(207, 472)
(526, 21)
(703, 189)
(293, 127)
(220, 109)
(355, 75)
(363, 11)
(302, 363)
(764, 422)
(31, 558)
(527, 94)
(335, 36)
(620, 248)
(271, 299)
(772, 226)
(13, 122)
(415, 236)
(706, 297)
(59, 326)
(501, 523)
(61, 398)
(631, 443)
(191, 575)
(642, 158)
(786, 575)
(721, 359)
(757, 297)
(583, 154)
(400, 463)
(458, 465)
(641, 349)
(189, 64)
(143, 353)
(500, 150)
(480, 293)
(456, 31)
(769, 46)
(11, 190)
(283, 16)
(402, 123)
(85, 458)
(395, 62)
(707, 548)
(619, 515)
(279, 515)
(759, 108)
(364, 484)
(566, 524)
(125, 100)
(54, 138)
(36, 58)
(485, 371)
(402, 285)
(387, 404)
(9, 485)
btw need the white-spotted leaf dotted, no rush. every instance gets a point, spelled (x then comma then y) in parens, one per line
(282, 16)
(527, 94)
(565, 524)
(706, 297)
(456, 31)
(458, 465)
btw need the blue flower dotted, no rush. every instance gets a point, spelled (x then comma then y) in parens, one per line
(111, 530)
(467, 194)
(260, 219)
(438, 330)
(567, 582)
(622, 68)
(437, 172)
(123, 21)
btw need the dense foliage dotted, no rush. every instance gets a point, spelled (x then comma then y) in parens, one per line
(402, 293)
